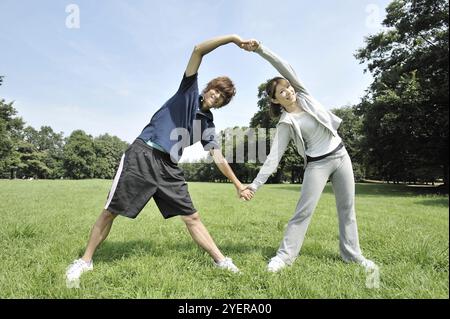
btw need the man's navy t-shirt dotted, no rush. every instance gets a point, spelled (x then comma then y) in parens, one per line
(180, 122)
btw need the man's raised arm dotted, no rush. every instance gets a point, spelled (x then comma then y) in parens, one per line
(205, 47)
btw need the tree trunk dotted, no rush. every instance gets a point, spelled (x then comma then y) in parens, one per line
(278, 176)
(13, 173)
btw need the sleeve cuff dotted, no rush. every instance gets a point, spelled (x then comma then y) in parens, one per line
(260, 48)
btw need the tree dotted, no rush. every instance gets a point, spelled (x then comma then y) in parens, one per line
(79, 155)
(408, 101)
(50, 147)
(108, 151)
(10, 134)
(352, 135)
(31, 162)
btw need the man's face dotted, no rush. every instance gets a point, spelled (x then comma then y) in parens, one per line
(213, 99)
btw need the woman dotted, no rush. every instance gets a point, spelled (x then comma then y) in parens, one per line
(314, 131)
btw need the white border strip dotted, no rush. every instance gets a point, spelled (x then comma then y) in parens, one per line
(115, 182)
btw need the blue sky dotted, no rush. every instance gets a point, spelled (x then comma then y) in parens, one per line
(127, 57)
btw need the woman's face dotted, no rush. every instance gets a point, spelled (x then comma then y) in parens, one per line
(284, 94)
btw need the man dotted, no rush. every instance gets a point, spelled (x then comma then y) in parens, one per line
(149, 166)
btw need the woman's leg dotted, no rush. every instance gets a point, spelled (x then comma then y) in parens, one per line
(314, 181)
(344, 189)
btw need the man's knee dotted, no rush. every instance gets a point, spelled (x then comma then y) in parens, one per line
(107, 215)
(191, 219)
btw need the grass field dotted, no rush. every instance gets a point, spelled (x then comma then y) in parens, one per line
(45, 224)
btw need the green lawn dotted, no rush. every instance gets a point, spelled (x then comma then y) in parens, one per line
(44, 226)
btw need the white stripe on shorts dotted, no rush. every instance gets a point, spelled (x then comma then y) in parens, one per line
(115, 182)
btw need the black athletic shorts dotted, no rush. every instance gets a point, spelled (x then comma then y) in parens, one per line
(145, 172)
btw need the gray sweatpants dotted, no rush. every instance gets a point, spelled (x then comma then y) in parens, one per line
(338, 168)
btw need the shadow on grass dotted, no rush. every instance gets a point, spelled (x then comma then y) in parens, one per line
(440, 202)
(388, 190)
(321, 253)
(111, 251)
(228, 249)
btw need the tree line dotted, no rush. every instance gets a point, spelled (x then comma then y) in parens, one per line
(29, 153)
(398, 132)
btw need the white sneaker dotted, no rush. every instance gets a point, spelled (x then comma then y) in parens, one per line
(77, 268)
(276, 264)
(368, 264)
(227, 264)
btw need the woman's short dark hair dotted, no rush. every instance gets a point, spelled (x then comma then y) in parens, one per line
(271, 87)
(224, 85)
